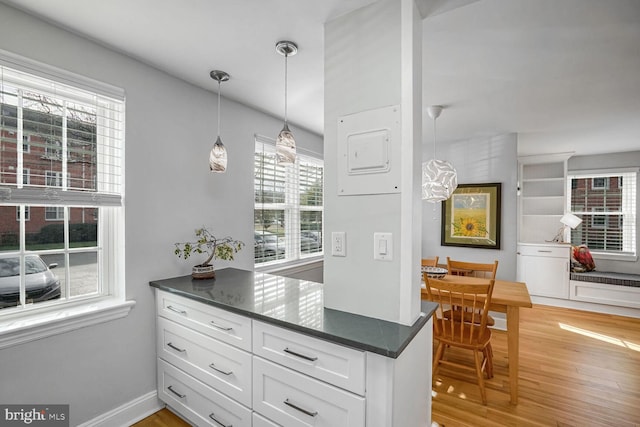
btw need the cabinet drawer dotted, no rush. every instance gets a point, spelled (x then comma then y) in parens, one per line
(219, 365)
(293, 399)
(544, 251)
(198, 402)
(260, 421)
(212, 321)
(333, 363)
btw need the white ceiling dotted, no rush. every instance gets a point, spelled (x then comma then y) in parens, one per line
(564, 74)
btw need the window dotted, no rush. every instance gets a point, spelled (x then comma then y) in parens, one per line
(607, 209)
(64, 131)
(288, 209)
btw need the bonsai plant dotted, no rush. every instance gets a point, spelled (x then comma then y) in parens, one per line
(216, 248)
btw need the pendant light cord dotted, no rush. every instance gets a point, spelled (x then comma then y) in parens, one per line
(218, 108)
(434, 138)
(286, 56)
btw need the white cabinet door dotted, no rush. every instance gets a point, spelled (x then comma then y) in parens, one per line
(219, 365)
(296, 400)
(333, 363)
(545, 270)
(203, 405)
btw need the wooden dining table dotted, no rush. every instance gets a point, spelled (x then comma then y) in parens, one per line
(507, 298)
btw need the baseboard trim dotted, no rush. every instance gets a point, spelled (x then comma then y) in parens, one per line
(129, 413)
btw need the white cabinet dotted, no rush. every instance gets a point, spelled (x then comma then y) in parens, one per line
(204, 361)
(545, 269)
(218, 368)
(293, 399)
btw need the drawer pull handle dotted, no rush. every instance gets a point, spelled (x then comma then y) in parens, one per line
(175, 392)
(215, 368)
(177, 310)
(548, 252)
(304, 411)
(213, 417)
(215, 325)
(310, 358)
(181, 350)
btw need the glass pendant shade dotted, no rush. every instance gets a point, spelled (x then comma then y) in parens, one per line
(218, 157)
(286, 146)
(286, 143)
(218, 154)
(439, 180)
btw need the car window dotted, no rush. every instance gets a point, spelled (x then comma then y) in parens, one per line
(9, 267)
(34, 264)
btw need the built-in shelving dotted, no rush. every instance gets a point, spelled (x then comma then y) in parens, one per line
(541, 196)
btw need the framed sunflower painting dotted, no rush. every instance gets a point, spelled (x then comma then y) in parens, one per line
(471, 217)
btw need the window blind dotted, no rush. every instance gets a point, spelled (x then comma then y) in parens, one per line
(288, 205)
(59, 145)
(606, 202)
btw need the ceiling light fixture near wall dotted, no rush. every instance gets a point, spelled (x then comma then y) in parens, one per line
(218, 155)
(439, 178)
(286, 143)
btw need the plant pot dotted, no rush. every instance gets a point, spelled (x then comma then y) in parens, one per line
(203, 272)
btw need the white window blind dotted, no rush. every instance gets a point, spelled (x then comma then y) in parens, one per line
(75, 150)
(288, 210)
(606, 202)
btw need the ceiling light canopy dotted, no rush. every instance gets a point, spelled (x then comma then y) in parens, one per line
(286, 143)
(439, 178)
(218, 154)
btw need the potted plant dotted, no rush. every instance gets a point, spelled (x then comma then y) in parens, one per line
(216, 248)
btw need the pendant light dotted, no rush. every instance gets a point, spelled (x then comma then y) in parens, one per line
(285, 143)
(439, 178)
(218, 155)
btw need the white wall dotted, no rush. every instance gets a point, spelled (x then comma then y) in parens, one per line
(170, 128)
(481, 160)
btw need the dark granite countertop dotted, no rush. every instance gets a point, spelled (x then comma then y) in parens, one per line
(297, 305)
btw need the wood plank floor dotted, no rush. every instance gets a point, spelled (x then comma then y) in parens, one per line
(576, 369)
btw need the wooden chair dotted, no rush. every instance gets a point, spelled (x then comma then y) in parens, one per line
(475, 335)
(430, 262)
(475, 269)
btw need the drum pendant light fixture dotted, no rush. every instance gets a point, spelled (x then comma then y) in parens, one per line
(218, 155)
(286, 143)
(439, 178)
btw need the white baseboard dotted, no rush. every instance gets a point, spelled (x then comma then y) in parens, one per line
(129, 413)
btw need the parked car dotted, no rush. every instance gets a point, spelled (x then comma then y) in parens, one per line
(41, 283)
(308, 245)
(268, 245)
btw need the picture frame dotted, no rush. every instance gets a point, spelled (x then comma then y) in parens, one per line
(471, 216)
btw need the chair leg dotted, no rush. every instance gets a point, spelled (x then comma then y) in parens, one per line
(436, 358)
(480, 376)
(488, 356)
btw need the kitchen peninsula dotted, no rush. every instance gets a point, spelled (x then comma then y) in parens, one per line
(259, 349)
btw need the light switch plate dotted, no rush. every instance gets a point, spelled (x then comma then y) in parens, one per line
(383, 246)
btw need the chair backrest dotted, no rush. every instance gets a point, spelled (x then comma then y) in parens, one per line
(475, 269)
(430, 262)
(470, 298)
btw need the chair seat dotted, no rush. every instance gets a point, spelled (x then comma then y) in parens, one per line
(468, 336)
(468, 316)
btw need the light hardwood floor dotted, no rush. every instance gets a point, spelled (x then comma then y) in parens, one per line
(576, 369)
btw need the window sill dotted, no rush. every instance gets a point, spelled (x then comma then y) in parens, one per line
(31, 327)
(273, 268)
(614, 257)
